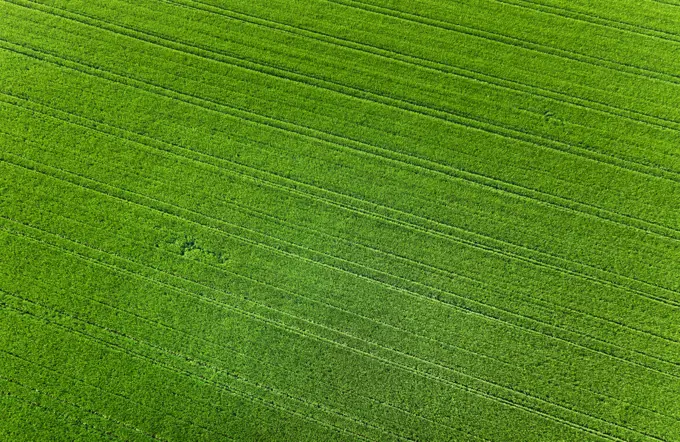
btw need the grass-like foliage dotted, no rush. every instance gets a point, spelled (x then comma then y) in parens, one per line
(356, 220)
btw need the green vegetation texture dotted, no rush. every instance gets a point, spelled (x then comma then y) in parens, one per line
(340, 220)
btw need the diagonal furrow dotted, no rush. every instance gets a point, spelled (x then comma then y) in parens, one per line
(433, 226)
(488, 182)
(182, 357)
(615, 66)
(278, 250)
(492, 315)
(585, 17)
(433, 65)
(106, 434)
(383, 360)
(109, 392)
(84, 409)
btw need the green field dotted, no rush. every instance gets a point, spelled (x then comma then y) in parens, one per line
(340, 220)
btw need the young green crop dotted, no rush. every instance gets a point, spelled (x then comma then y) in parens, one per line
(339, 220)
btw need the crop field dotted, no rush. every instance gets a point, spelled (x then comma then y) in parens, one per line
(340, 220)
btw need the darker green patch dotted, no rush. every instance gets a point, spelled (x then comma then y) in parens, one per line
(193, 249)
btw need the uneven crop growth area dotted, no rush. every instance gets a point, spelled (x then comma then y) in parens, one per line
(340, 220)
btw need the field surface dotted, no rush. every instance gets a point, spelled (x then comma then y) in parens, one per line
(340, 220)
